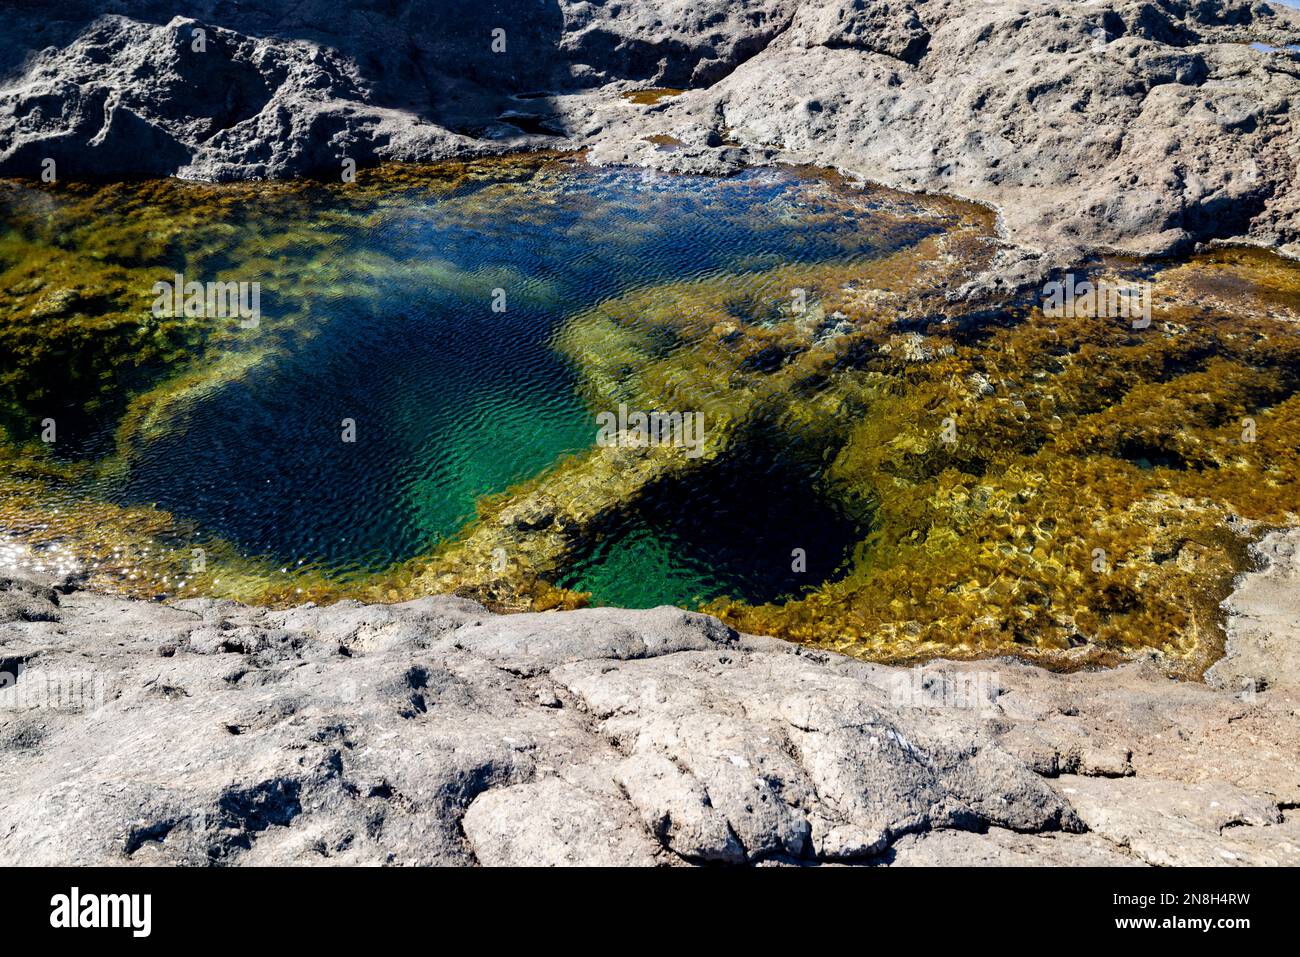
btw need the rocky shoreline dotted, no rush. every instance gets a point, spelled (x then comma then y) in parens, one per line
(1126, 126)
(434, 732)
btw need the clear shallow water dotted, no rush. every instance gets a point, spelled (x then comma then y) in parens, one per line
(449, 402)
(730, 528)
(452, 400)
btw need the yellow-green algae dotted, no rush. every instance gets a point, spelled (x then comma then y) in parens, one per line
(1082, 444)
(77, 267)
(652, 96)
(1096, 502)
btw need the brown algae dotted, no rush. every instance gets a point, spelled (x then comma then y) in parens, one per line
(653, 96)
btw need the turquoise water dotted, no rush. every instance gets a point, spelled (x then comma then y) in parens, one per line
(726, 528)
(453, 401)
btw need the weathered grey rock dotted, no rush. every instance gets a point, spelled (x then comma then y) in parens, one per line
(889, 28)
(530, 644)
(1264, 621)
(1173, 824)
(676, 809)
(553, 824)
(1001, 848)
(434, 732)
(1120, 124)
(22, 600)
(196, 100)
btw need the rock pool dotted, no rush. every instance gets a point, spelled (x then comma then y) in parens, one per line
(898, 458)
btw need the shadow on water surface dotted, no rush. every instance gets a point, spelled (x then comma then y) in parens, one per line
(751, 526)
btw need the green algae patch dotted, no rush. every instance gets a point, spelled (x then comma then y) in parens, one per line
(78, 266)
(1072, 490)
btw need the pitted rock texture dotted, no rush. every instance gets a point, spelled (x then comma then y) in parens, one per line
(131, 98)
(434, 732)
(1129, 125)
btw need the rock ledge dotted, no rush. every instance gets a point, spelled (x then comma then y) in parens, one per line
(433, 732)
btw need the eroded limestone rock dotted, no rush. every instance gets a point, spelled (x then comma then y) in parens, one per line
(1109, 125)
(434, 732)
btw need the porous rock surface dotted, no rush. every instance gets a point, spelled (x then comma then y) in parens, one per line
(1137, 125)
(435, 732)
